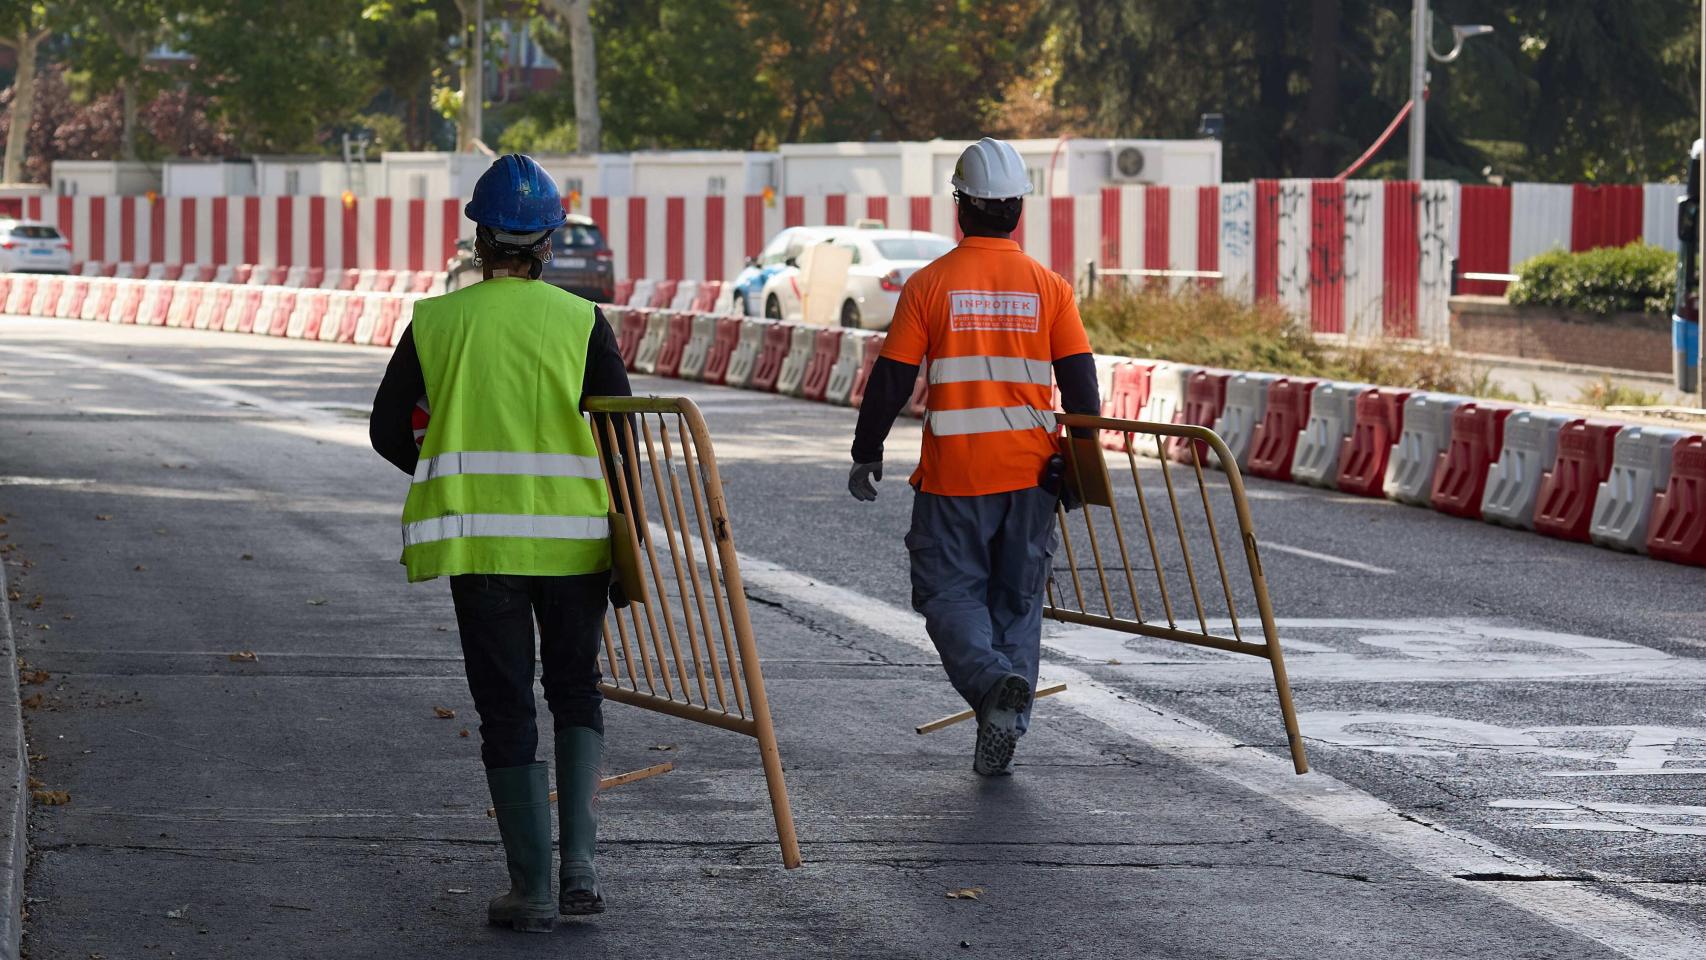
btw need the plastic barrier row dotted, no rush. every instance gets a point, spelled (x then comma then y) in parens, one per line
(342, 316)
(316, 278)
(1634, 488)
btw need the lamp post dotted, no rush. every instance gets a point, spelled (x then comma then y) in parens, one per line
(1421, 48)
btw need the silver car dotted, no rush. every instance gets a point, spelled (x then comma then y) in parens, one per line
(30, 246)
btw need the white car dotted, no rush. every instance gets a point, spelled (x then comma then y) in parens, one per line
(882, 262)
(30, 246)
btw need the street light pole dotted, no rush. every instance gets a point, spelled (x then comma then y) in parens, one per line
(1418, 88)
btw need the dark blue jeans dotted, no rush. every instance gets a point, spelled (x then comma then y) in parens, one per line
(496, 614)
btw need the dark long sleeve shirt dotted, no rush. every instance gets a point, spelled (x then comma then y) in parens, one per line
(391, 428)
(891, 383)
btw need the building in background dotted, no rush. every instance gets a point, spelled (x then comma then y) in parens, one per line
(1063, 167)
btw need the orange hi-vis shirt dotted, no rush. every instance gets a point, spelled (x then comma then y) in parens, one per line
(992, 321)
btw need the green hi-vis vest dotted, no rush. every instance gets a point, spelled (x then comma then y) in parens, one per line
(508, 479)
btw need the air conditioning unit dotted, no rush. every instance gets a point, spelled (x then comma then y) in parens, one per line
(1130, 163)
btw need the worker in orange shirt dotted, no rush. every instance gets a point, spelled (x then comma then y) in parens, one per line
(995, 324)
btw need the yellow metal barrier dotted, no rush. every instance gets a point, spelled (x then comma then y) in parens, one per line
(684, 645)
(1113, 599)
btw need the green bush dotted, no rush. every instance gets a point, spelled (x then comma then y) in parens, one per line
(1638, 278)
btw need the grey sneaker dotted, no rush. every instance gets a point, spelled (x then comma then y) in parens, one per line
(998, 725)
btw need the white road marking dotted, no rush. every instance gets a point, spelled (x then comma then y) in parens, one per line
(300, 419)
(44, 481)
(1405, 650)
(1444, 852)
(1325, 558)
(1640, 750)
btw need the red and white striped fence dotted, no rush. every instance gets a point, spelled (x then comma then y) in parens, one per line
(1362, 258)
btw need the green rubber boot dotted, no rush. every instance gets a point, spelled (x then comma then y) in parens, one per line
(580, 763)
(520, 798)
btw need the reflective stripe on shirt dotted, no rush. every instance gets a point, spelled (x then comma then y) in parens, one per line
(999, 369)
(504, 525)
(949, 423)
(508, 464)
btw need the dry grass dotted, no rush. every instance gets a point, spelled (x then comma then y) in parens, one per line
(1203, 328)
(1607, 394)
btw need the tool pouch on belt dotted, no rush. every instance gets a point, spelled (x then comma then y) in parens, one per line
(625, 559)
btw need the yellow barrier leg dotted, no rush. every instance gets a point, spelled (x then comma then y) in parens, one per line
(965, 715)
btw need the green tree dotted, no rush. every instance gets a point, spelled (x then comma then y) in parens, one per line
(678, 73)
(407, 41)
(279, 74)
(23, 27)
(111, 41)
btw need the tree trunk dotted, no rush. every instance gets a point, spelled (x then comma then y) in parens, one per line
(1321, 114)
(23, 107)
(468, 121)
(127, 139)
(583, 55)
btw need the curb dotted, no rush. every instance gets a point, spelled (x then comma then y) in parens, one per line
(14, 777)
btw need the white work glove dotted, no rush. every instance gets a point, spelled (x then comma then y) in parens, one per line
(859, 481)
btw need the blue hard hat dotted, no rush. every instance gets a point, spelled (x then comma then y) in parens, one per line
(516, 195)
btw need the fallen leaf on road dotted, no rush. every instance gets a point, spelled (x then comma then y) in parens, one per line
(36, 602)
(103, 516)
(35, 676)
(965, 893)
(444, 713)
(31, 702)
(1113, 663)
(317, 602)
(14, 596)
(663, 746)
(244, 656)
(464, 732)
(248, 556)
(178, 914)
(67, 616)
(443, 629)
(34, 783)
(43, 626)
(140, 567)
(52, 798)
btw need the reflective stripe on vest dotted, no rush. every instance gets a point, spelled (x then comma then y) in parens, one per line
(504, 525)
(998, 369)
(949, 423)
(495, 463)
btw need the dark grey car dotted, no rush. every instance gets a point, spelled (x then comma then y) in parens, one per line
(581, 262)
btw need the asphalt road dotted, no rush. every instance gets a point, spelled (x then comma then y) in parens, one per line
(1507, 732)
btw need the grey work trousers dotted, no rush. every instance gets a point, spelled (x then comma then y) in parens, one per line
(978, 569)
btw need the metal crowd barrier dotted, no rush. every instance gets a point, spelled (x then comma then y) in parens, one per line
(684, 645)
(1106, 592)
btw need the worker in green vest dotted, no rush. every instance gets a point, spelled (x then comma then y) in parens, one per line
(509, 501)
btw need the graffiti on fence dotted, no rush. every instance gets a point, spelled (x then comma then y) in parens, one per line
(1293, 245)
(1434, 226)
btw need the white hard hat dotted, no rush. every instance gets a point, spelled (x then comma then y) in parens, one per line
(991, 169)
